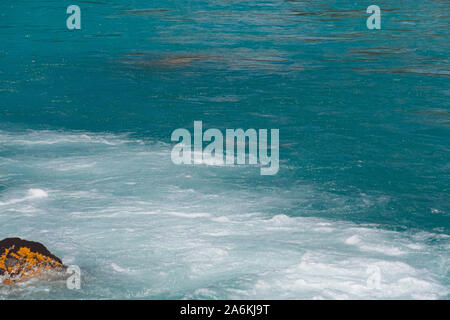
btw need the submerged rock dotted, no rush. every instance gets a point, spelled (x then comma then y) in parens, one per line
(142, 60)
(21, 259)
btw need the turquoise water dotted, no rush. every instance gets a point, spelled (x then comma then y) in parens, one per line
(85, 123)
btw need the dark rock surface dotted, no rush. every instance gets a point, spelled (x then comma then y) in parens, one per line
(21, 259)
(14, 244)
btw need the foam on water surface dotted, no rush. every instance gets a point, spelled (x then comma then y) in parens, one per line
(176, 235)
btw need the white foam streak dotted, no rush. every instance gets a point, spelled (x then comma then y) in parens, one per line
(31, 195)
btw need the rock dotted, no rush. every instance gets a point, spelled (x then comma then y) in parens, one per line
(162, 62)
(21, 259)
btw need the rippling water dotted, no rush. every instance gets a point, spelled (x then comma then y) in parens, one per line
(85, 124)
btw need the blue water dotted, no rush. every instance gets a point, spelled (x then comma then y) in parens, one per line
(85, 123)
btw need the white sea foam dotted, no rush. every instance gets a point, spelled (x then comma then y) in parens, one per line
(31, 194)
(37, 193)
(352, 240)
(200, 233)
(47, 137)
(118, 268)
(188, 215)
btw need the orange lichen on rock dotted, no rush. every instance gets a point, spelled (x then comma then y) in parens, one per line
(22, 259)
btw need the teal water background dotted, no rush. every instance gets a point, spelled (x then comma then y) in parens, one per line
(86, 116)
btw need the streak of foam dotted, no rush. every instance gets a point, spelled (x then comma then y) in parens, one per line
(31, 195)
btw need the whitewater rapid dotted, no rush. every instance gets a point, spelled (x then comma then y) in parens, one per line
(140, 227)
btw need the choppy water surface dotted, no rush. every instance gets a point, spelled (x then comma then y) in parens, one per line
(85, 124)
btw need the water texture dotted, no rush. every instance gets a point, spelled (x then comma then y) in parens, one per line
(86, 118)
